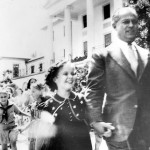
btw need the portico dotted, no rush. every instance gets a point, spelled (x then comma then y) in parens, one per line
(68, 37)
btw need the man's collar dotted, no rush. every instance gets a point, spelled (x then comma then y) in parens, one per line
(123, 43)
(9, 104)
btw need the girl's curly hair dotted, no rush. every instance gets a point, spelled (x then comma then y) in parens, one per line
(52, 73)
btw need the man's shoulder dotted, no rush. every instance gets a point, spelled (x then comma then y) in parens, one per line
(103, 52)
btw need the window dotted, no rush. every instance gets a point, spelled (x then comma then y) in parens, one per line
(106, 11)
(85, 48)
(40, 67)
(84, 19)
(64, 31)
(16, 70)
(32, 69)
(107, 39)
(53, 57)
(64, 53)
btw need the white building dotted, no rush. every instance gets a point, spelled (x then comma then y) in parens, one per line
(8, 63)
(22, 69)
(76, 28)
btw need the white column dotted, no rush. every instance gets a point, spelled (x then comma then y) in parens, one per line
(49, 54)
(80, 38)
(90, 26)
(68, 38)
(117, 4)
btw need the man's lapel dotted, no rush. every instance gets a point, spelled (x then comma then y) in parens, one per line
(117, 54)
(142, 60)
(141, 66)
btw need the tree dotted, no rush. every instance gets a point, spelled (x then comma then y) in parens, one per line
(7, 75)
(143, 9)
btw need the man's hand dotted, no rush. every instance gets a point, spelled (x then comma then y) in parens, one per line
(103, 128)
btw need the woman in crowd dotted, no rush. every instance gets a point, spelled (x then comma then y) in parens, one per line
(19, 101)
(24, 86)
(10, 91)
(28, 99)
(30, 82)
(37, 91)
(68, 109)
(36, 142)
(14, 88)
(27, 94)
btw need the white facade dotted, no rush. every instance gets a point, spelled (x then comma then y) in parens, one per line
(68, 36)
(35, 73)
(7, 63)
(97, 32)
(25, 73)
(36, 63)
(20, 81)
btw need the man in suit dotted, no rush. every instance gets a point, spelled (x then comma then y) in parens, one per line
(122, 73)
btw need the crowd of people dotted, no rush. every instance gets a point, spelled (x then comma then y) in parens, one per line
(61, 97)
(9, 110)
(60, 113)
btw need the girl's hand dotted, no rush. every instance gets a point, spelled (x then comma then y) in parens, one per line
(20, 129)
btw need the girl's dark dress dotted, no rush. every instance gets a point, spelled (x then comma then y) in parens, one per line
(73, 133)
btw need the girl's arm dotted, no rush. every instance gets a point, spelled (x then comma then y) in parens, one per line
(19, 112)
(21, 129)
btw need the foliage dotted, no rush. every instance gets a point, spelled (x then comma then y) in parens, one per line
(81, 73)
(6, 81)
(7, 72)
(77, 59)
(143, 9)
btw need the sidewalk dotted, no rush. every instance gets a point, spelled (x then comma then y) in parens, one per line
(103, 145)
(22, 143)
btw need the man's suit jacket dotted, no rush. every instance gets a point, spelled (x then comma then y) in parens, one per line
(127, 104)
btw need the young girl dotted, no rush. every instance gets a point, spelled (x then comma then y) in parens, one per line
(68, 108)
(8, 131)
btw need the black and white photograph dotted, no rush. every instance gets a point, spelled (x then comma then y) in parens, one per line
(75, 75)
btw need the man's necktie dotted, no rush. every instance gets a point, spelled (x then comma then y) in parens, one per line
(132, 59)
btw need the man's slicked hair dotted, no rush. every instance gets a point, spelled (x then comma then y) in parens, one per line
(117, 14)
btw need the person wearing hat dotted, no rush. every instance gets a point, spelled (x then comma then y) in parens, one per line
(8, 130)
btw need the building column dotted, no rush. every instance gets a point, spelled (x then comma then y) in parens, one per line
(68, 33)
(117, 4)
(90, 26)
(49, 54)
